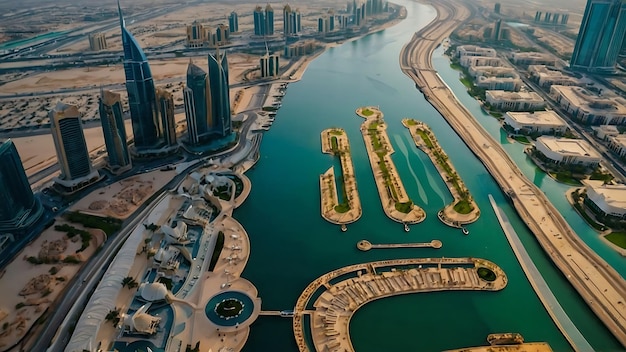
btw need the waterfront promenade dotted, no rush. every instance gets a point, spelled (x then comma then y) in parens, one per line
(468, 210)
(396, 203)
(362, 283)
(365, 245)
(598, 283)
(335, 141)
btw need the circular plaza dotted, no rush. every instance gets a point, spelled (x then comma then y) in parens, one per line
(231, 310)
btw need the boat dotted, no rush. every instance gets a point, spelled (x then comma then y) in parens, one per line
(286, 313)
(406, 227)
(344, 228)
(465, 230)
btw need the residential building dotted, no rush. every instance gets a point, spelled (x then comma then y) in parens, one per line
(603, 132)
(71, 149)
(589, 108)
(473, 50)
(165, 103)
(568, 151)
(197, 105)
(533, 58)
(618, 144)
(147, 131)
(220, 95)
(514, 101)
(467, 61)
(546, 77)
(218, 36)
(197, 35)
(291, 21)
(97, 41)
(114, 131)
(269, 65)
(606, 199)
(543, 122)
(19, 208)
(263, 21)
(600, 36)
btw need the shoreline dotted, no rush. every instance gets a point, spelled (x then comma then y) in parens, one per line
(599, 284)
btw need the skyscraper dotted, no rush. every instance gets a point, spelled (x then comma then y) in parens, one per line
(291, 21)
(233, 22)
(147, 130)
(69, 141)
(259, 21)
(496, 29)
(197, 105)
(269, 65)
(97, 41)
(19, 208)
(220, 95)
(269, 20)
(165, 103)
(114, 130)
(600, 36)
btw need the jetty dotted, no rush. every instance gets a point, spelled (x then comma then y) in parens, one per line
(365, 245)
(329, 315)
(396, 203)
(463, 210)
(347, 210)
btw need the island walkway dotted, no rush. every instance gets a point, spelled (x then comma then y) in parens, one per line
(425, 140)
(560, 318)
(365, 245)
(335, 306)
(601, 286)
(335, 141)
(396, 203)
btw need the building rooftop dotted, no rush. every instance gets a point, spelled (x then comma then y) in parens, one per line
(537, 118)
(590, 102)
(568, 146)
(501, 94)
(613, 195)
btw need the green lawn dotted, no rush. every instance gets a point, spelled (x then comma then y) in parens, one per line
(463, 207)
(367, 112)
(618, 238)
(522, 139)
(411, 122)
(404, 207)
(342, 208)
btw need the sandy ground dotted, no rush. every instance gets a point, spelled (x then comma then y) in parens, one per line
(17, 275)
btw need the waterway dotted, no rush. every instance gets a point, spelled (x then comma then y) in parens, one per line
(291, 245)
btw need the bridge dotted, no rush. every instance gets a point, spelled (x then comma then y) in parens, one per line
(365, 245)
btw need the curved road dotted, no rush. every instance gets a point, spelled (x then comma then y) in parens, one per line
(598, 283)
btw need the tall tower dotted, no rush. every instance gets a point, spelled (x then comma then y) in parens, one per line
(19, 208)
(147, 130)
(114, 130)
(600, 36)
(165, 103)
(197, 104)
(291, 21)
(269, 20)
(259, 21)
(220, 95)
(69, 140)
(233, 22)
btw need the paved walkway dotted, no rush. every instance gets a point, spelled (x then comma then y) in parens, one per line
(560, 318)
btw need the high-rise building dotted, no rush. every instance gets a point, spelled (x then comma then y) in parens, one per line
(220, 95)
(69, 141)
(97, 41)
(165, 103)
(537, 16)
(496, 8)
(264, 20)
(196, 35)
(19, 208)
(147, 130)
(331, 20)
(197, 105)
(269, 65)
(233, 22)
(291, 21)
(114, 130)
(496, 29)
(600, 36)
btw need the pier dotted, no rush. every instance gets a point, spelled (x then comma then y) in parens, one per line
(554, 309)
(365, 245)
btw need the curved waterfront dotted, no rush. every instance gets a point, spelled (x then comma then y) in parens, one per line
(293, 245)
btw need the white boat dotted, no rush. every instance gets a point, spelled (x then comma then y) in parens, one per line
(406, 227)
(465, 230)
(344, 228)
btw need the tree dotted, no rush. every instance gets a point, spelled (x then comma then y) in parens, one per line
(129, 282)
(113, 316)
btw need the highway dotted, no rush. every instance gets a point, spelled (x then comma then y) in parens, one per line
(598, 283)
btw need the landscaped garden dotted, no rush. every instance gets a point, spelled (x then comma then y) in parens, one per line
(486, 274)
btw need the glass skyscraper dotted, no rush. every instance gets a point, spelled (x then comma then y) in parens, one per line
(197, 104)
(147, 129)
(114, 130)
(18, 208)
(264, 20)
(600, 36)
(220, 95)
(69, 140)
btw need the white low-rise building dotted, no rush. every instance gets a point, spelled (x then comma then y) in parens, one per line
(467, 61)
(533, 58)
(547, 77)
(568, 151)
(544, 122)
(603, 132)
(474, 50)
(499, 83)
(618, 144)
(606, 199)
(491, 71)
(589, 108)
(514, 101)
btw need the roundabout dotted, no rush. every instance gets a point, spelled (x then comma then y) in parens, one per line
(230, 308)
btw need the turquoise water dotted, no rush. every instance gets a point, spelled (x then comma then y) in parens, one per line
(292, 245)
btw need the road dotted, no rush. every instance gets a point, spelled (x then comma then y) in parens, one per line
(599, 284)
